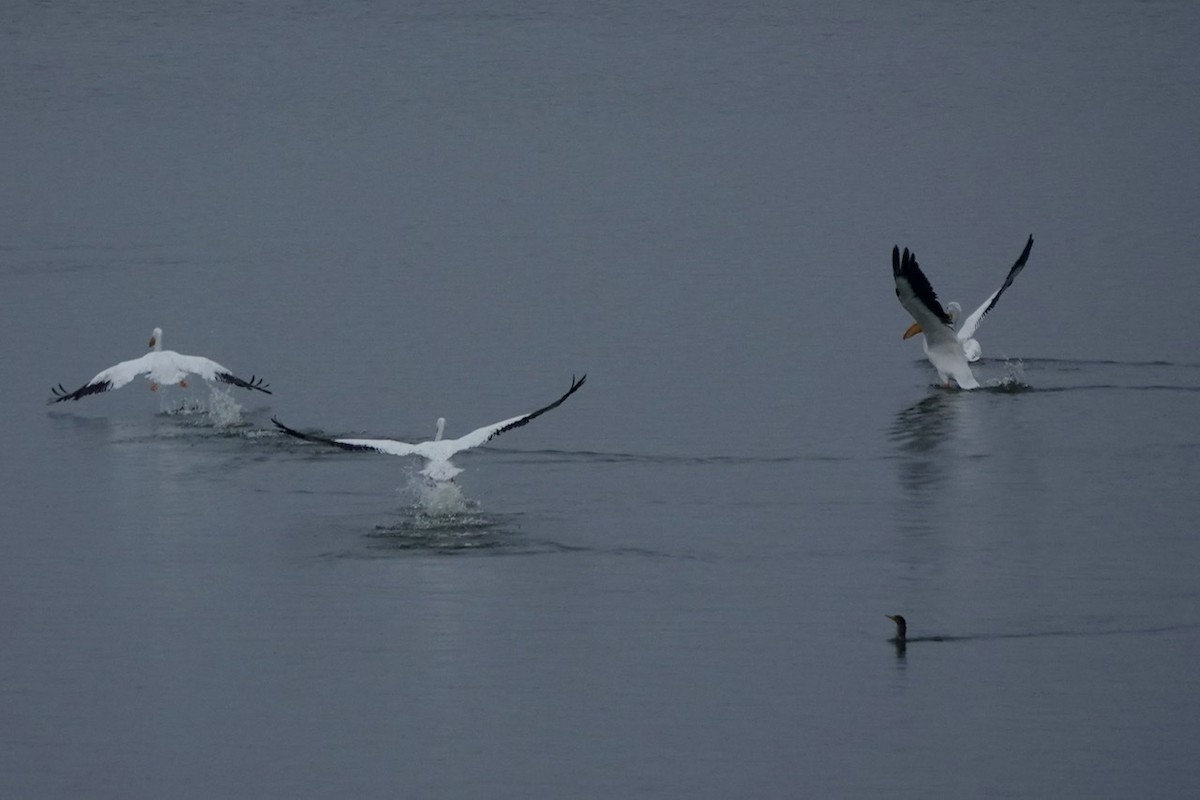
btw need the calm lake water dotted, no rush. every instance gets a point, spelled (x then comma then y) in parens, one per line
(674, 585)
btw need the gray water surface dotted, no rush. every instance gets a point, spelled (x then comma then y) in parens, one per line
(674, 585)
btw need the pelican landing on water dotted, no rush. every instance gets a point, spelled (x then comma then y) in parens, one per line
(160, 367)
(438, 451)
(948, 350)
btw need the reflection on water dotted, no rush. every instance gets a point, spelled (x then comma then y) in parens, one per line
(437, 518)
(924, 433)
(451, 534)
(416, 533)
(935, 439)
(922, 426)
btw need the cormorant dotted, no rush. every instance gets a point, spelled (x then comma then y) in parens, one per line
(901, 637)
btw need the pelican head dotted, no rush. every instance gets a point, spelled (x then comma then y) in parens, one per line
(156, 339)
(441, 428)
(901, 626)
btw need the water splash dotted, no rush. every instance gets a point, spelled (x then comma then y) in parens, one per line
(436, 499)
(1013, 379)
(438, 519)
(223, 410)
(220, 410)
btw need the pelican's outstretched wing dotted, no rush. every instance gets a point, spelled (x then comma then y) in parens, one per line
(971, 323)
(114, 377)
(480, 435)
(389, 446)
(210, 370)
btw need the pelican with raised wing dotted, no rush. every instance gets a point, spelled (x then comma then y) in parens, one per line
(436, 452)
(948, 350)
(966, 331)
(160, 367)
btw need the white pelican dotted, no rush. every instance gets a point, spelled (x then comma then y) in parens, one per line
(160, 367)
(949, 351)
(437, 452)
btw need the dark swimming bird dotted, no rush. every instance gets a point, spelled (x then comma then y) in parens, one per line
(901, 636)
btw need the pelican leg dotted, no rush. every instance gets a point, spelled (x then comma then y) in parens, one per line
(153, 386)
(183, 384)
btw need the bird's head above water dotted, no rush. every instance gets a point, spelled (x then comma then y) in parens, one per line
(953, 310)
(156, 339)
(441, 428)
(901, 626)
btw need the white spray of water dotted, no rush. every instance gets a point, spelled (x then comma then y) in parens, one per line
(1014, 376)
(223, 410)
(439, 505)
(220, 410)
(439, 519)
(435, 498)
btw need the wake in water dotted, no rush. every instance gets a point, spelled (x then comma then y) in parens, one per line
(902, 640)
(1059, 375)
(439, 519)
(1088, 375)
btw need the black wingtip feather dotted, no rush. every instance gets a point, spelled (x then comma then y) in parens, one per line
(1013, 272)
(525, 420)
(308, 437)
(60, 392)
(906, 266)
(254, 383)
